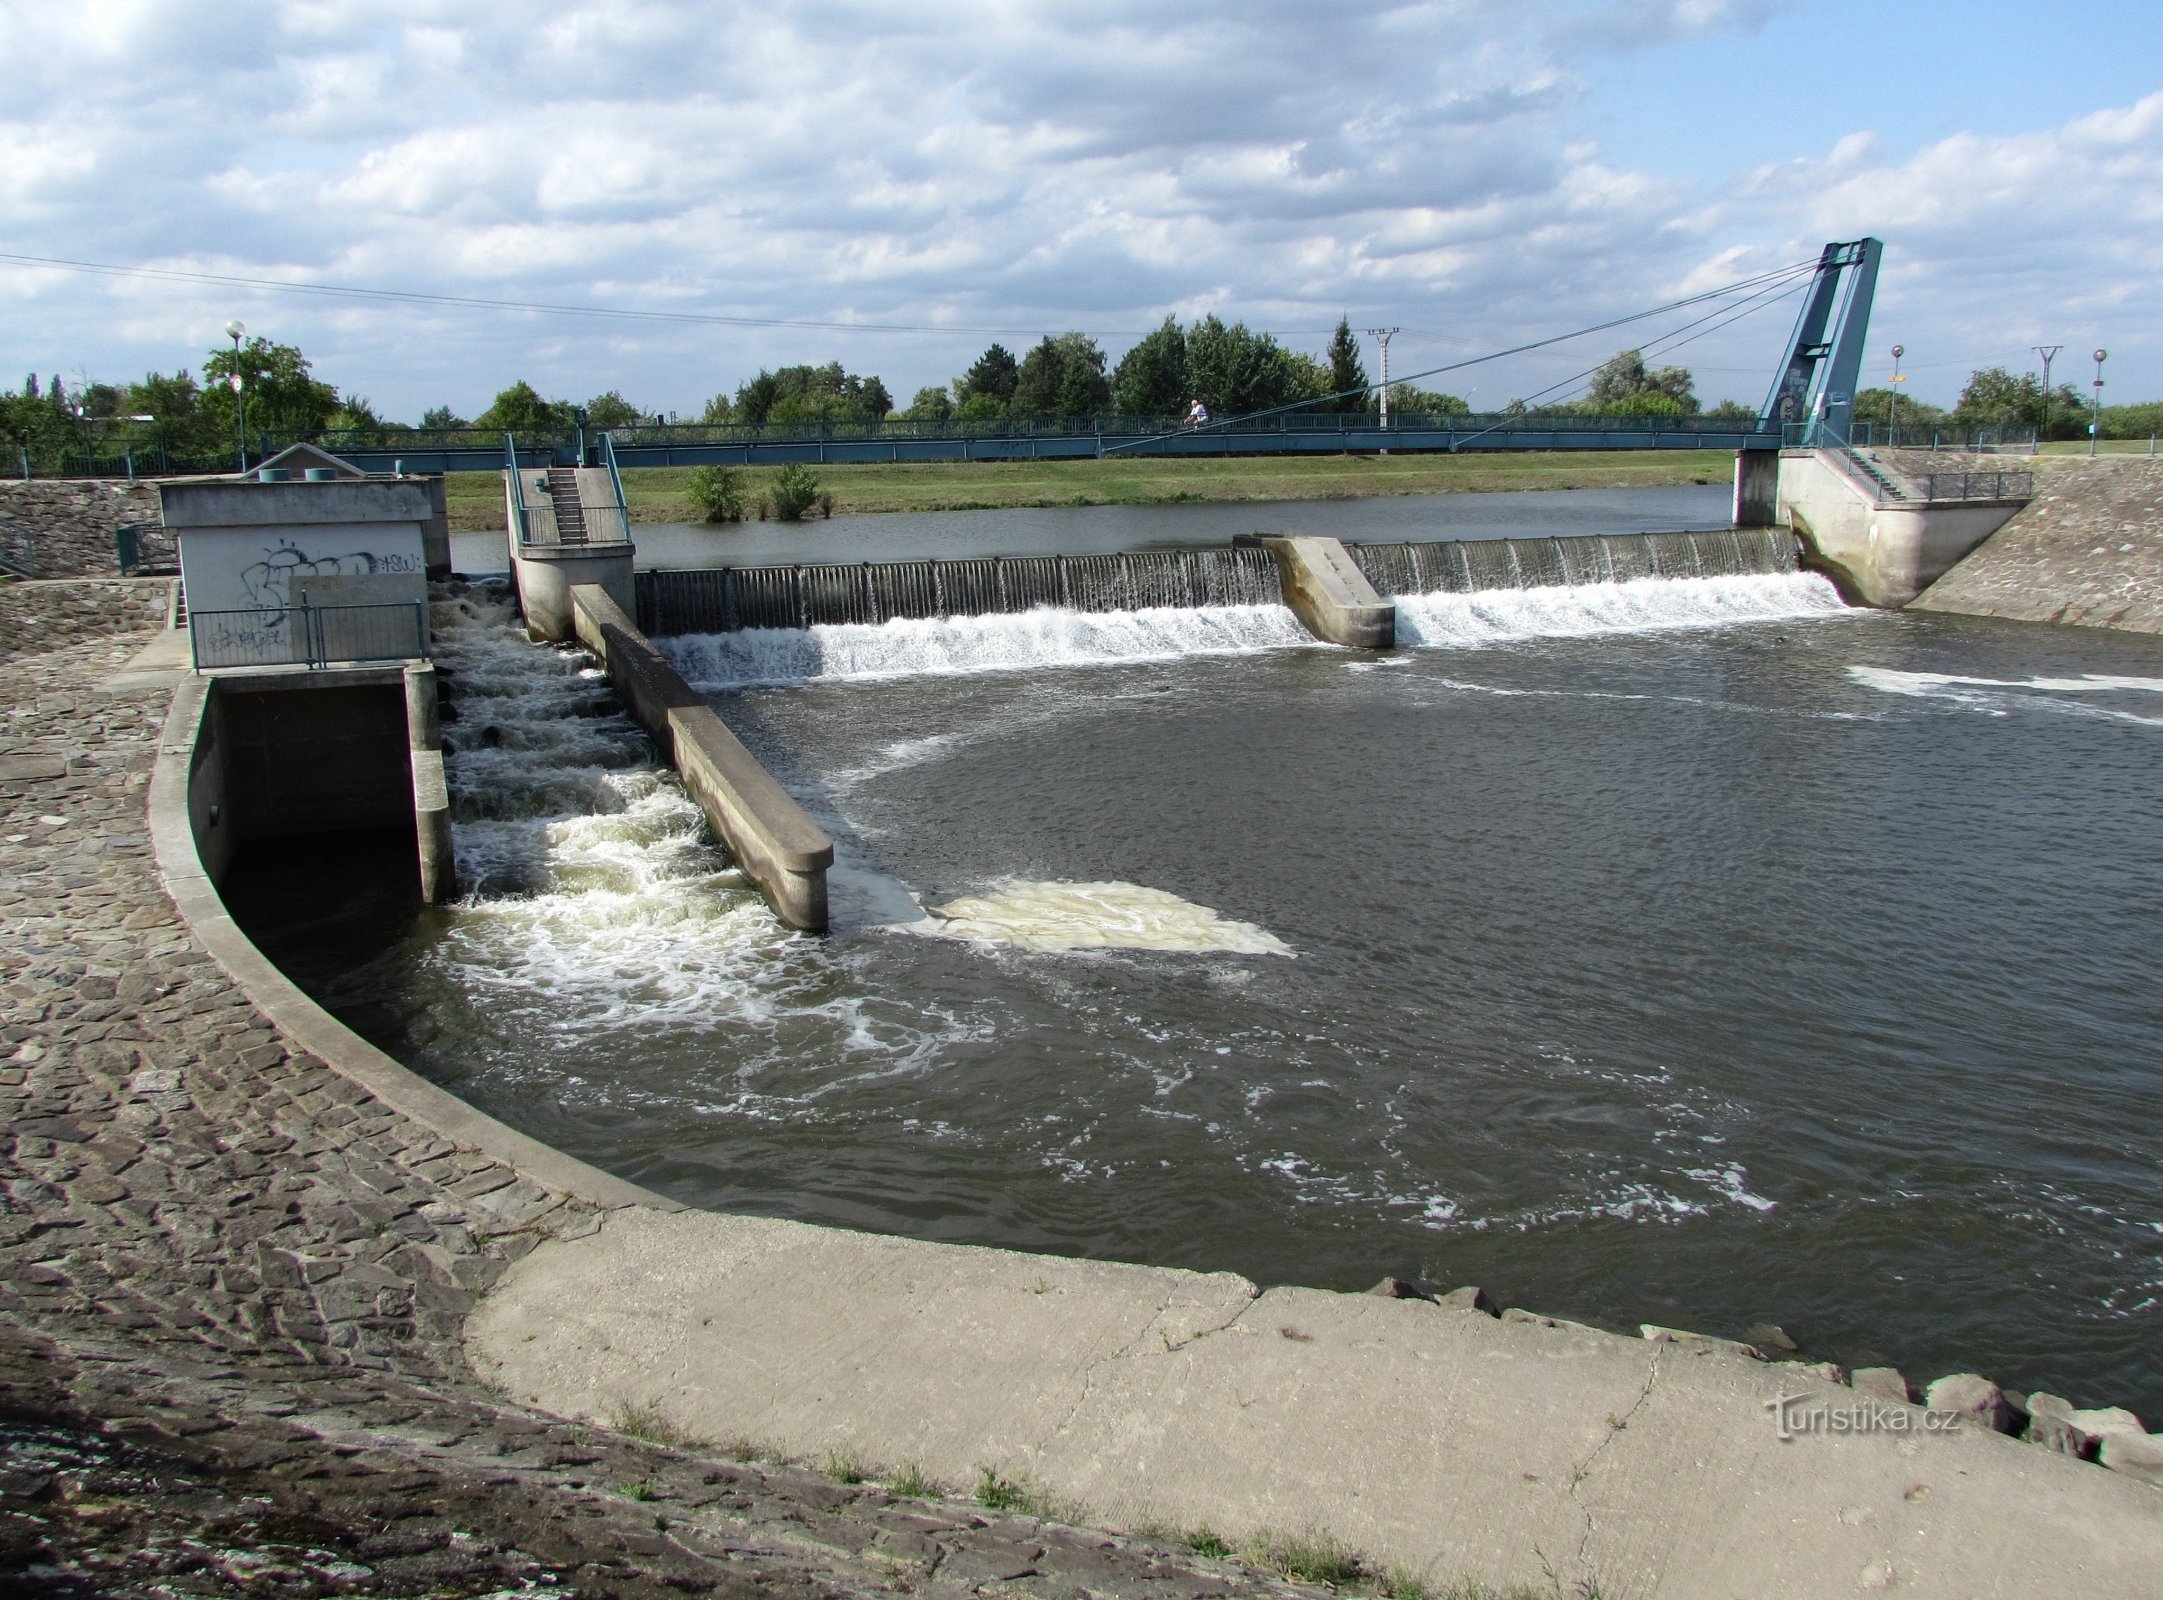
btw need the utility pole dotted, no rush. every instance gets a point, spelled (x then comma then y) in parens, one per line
(2049, 353)
(2095, 428)
(1892, 425)
(1383, 336)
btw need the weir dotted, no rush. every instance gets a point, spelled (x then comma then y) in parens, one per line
(1469, 566)
(726, 599)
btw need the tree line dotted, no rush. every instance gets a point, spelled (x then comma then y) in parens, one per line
(1229, 368)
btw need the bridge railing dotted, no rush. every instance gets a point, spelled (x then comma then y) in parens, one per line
(426, 441)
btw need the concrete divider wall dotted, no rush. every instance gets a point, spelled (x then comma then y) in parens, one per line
(780, 848)
(1878, 554)
(1330, 595)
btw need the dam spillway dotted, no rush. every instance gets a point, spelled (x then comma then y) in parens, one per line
(1465, 566)
(725, 599)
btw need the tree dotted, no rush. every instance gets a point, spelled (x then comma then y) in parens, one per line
(811, 394)
(356, 419)
(718, 493)
(719, 409)
(1410, 401)
(796, 490)
(1151, 378)
(1232, 369)
(1624, 387)
(282, 394)
(1346, 370)
(1738, 411)
(520, 409)
(993, 374)
(1061, 377)
(931, 405)
(1876, 406)
(611, 410)
(1995, 398)
(174, 406)
(443, 417)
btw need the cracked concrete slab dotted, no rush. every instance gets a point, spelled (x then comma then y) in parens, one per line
(1439, 1441)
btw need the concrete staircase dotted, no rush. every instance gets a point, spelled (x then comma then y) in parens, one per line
(570, 514)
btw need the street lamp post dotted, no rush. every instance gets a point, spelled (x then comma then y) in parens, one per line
(1892, 426)
(233, 331)
(2095, 426)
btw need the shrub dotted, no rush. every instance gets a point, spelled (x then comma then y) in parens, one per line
(796, 490)
(718, 493)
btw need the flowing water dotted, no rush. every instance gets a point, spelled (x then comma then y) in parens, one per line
(1689, 951)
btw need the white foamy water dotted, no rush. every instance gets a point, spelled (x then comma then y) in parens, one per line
(1493, 616)
(1093, 916)
(2000, 696)
(997, 643)
(593, 896)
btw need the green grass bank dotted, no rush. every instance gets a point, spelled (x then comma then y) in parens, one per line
(659, 494)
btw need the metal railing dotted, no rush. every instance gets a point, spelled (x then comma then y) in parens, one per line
(311, 636)
(140, 547)
(1977, 485)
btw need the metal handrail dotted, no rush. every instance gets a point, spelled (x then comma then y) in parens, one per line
(524, 530)
(615, 477)
(302, 635)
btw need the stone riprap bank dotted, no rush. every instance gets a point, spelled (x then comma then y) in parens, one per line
(70, 523)
(233, 1286)
(2088, 549)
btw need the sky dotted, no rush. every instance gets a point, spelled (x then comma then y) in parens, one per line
(905, 183)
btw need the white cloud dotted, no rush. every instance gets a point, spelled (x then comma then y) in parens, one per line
(1023, 166)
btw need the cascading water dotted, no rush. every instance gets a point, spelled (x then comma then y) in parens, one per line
(1473, 593)
(998, 642)
(587, 874)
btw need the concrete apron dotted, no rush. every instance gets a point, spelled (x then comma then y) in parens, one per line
(1438, 1441)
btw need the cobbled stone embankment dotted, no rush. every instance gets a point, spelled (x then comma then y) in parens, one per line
(65, 527)
(232, 1289)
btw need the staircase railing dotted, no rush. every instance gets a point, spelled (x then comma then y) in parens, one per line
(521, 525)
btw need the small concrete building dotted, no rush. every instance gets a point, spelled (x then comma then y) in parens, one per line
(307, 558)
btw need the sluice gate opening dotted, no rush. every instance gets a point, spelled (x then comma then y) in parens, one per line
(729, 599)
(1470, 566)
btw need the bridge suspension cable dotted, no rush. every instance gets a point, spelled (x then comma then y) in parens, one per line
(1782, 278)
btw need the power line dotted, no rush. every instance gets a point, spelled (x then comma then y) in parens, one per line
(1760, 281)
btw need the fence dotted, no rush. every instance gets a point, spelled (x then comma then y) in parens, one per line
(312, 636)
(1977, 485)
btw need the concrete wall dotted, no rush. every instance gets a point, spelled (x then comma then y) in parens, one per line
(1757, 489)
(1879, 555)
(779, 848)
(294, 756)
(248, 545)
(546, 575)
(1330, 595)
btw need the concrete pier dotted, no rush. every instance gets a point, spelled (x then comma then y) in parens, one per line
(1757, 488)
(431, 791)
(779, 848)
(1330, 595)
(1880, 551)
(547, 573)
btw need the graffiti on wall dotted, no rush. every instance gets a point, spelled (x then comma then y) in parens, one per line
(269, 582)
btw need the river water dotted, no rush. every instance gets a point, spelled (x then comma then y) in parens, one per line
(1694, 952)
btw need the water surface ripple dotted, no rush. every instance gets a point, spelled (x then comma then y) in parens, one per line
(1733, 957)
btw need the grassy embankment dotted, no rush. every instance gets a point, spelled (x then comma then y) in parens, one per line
(657, 494)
